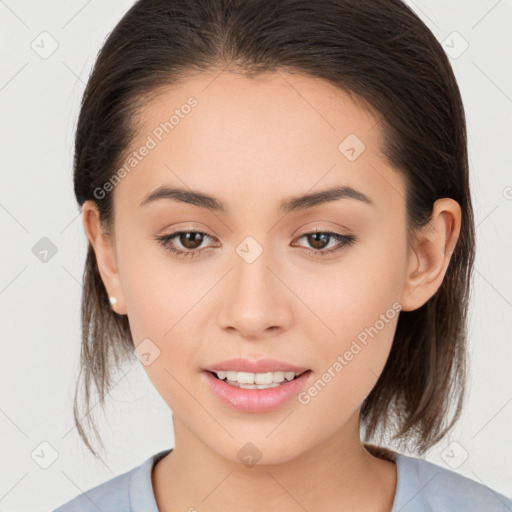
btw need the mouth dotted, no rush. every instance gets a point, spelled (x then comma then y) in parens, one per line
(247, 380)
(256, 392)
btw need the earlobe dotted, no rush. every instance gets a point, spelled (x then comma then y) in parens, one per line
(104, 249)
(430, 256)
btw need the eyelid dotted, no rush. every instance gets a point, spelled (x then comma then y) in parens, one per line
(315, 226)
(187, 226)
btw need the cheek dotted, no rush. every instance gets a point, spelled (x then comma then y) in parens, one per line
(160, 302)
(356, 306)
(349, 295)
(156, 292)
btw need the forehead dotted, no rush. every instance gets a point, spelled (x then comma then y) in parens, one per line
(234, 106)
(277, 133)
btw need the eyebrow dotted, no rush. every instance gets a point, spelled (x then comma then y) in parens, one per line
(288, 205)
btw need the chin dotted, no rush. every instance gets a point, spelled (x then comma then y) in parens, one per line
(256, 451)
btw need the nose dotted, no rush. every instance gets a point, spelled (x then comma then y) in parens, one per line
(255, 300)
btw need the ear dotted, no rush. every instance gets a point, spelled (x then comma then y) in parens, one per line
(104, 249)
(431, 253)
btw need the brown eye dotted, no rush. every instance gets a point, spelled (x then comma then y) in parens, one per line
(188, 243)
(184, 243)
(190, 239)
(319, 240)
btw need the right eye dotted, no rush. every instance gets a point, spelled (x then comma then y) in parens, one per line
(190, 242)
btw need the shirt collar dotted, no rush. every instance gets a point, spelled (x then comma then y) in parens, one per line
(142, 497)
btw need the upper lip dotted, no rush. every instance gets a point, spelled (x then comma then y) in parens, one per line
(260, 366)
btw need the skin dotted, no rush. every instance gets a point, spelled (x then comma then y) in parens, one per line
(253, 143)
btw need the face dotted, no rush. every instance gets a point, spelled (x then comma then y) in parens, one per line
(317, 285)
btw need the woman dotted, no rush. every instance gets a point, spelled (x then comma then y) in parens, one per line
(280, 228)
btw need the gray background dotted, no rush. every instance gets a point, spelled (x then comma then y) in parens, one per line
(44, 463)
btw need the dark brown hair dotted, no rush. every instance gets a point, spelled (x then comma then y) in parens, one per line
(383, 55)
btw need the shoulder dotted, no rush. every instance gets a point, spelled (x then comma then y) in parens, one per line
(108, 496)
(425, 486)
(127, 492)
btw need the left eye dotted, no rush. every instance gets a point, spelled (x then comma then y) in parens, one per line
(191, 242)
(320, 240)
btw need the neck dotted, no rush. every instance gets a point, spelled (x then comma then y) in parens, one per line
(338, 474)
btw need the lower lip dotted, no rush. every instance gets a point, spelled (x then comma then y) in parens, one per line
(256, 400)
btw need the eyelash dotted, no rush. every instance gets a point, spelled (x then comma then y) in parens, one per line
(344, 241)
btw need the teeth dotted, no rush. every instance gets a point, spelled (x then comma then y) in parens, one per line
(252, 386)
(268, 379)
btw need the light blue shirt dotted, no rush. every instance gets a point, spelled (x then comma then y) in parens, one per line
(422, 486)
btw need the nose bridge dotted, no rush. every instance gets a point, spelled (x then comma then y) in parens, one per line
(251, 271)
(253, 301)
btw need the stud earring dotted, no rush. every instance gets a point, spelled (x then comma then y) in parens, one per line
(113, 300)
